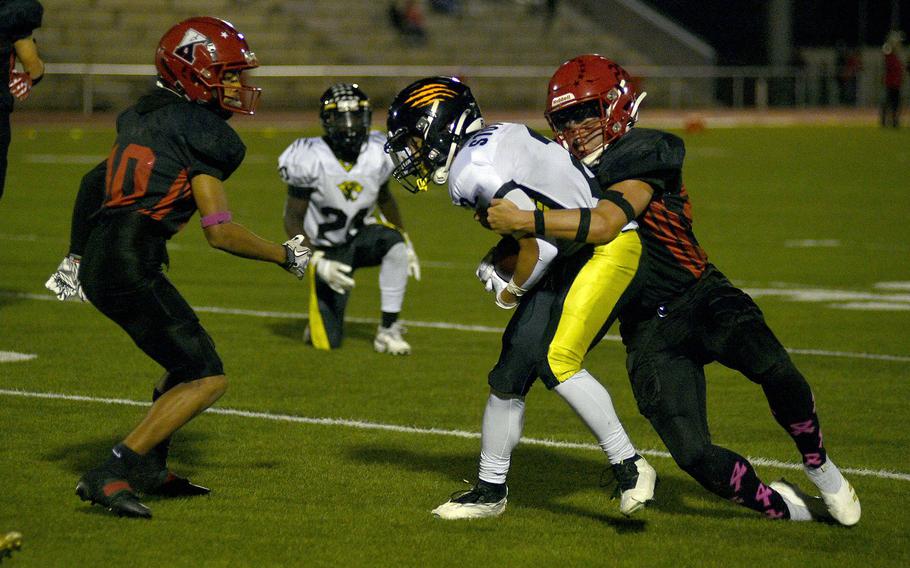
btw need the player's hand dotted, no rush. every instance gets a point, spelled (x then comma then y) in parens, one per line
(20, 85)
(413, 261)
(297, 256)
(504, 217)
(491, 281)
(65, 282)
(335, 274)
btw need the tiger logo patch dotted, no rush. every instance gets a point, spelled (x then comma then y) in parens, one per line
(351, 190)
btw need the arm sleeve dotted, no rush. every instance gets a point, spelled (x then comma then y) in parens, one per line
(547, 250)
(88, 202)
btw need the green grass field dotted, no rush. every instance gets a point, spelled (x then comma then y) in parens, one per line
(812, 219)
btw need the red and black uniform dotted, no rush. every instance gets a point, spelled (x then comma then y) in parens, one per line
(18, 19)
(162, 143)
(688, 315)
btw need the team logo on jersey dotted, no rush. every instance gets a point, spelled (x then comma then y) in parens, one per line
(186, 49)
(350, 189)
(429, 94)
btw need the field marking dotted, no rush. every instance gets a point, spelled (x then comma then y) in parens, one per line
(365, 425)
(812, 243)
(13, 357)
(455, 327)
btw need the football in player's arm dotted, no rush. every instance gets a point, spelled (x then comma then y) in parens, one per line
(563, 293)
(592, 107)
(335, 184)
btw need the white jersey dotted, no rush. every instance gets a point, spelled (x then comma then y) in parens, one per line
(506, 157)
(342, 198)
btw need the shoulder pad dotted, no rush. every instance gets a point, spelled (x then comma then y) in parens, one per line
(212, 141)
(640, 153)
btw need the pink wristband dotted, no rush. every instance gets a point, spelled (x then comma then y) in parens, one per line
(219, 218)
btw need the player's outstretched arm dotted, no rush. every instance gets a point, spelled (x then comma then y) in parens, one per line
(622, 203)
(222, 233)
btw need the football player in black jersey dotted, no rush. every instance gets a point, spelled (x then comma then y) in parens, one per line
(18, 19)
(172, 153)
(688, 313)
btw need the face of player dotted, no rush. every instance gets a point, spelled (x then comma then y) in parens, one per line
(232, 82)
(581, 126)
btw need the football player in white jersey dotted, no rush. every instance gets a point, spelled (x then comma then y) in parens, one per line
(335, 183)
(566, 294)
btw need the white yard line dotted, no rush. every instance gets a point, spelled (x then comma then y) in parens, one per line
(454, 326)
(365, 425)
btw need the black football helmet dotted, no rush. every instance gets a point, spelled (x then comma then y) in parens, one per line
(345, 112)
(428, 122)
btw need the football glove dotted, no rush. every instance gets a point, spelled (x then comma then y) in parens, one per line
(20, 85)
(297, 256)
(487, 275)
(413, 261)
(65, 282)
(333, 273)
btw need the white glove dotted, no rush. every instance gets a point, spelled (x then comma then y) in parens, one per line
(297, 256)
(65, 282)
(486, 273)
(333, 273)
(413, 261)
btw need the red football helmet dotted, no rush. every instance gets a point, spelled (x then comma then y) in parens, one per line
(193, 57)
(586, 87)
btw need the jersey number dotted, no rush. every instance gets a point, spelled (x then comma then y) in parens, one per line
(339, 220)
(128, 173)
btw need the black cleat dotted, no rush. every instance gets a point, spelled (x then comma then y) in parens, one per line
(105, 488)
(176, 486)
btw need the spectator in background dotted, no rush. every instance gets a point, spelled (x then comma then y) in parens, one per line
(18, 19)
(849, 64)
(408, 19)
(894, 76)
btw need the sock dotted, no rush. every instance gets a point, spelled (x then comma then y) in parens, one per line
(388, 318)
(827, 477)
(122, 460)
(797, 512)
(393, 278)
(793, 406)
(729, 475)
(591, 401)
(503, 420)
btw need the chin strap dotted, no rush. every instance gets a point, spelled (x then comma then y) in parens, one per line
(441, 174)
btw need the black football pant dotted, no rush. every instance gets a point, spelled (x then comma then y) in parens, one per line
(714, 321)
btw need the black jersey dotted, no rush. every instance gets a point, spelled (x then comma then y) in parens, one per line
(163, 141)
(18, 19)
(674, 258)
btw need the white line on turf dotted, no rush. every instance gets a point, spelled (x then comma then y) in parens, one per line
(456, 327)
(364, 425)
(12, 356)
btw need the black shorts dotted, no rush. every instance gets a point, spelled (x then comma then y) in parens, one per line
(121, 275)
(712, 321)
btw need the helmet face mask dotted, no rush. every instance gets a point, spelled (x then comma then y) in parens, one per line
(203, 59)
(346, 114)
(428, 122)
(591, 102)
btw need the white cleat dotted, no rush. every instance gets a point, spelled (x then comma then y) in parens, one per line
(480, 502)
(843, 505)
(389, 340)
(795, 499)
(636, 480)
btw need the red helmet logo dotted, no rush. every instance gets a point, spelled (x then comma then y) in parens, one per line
(591, 102)
(195, 57)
